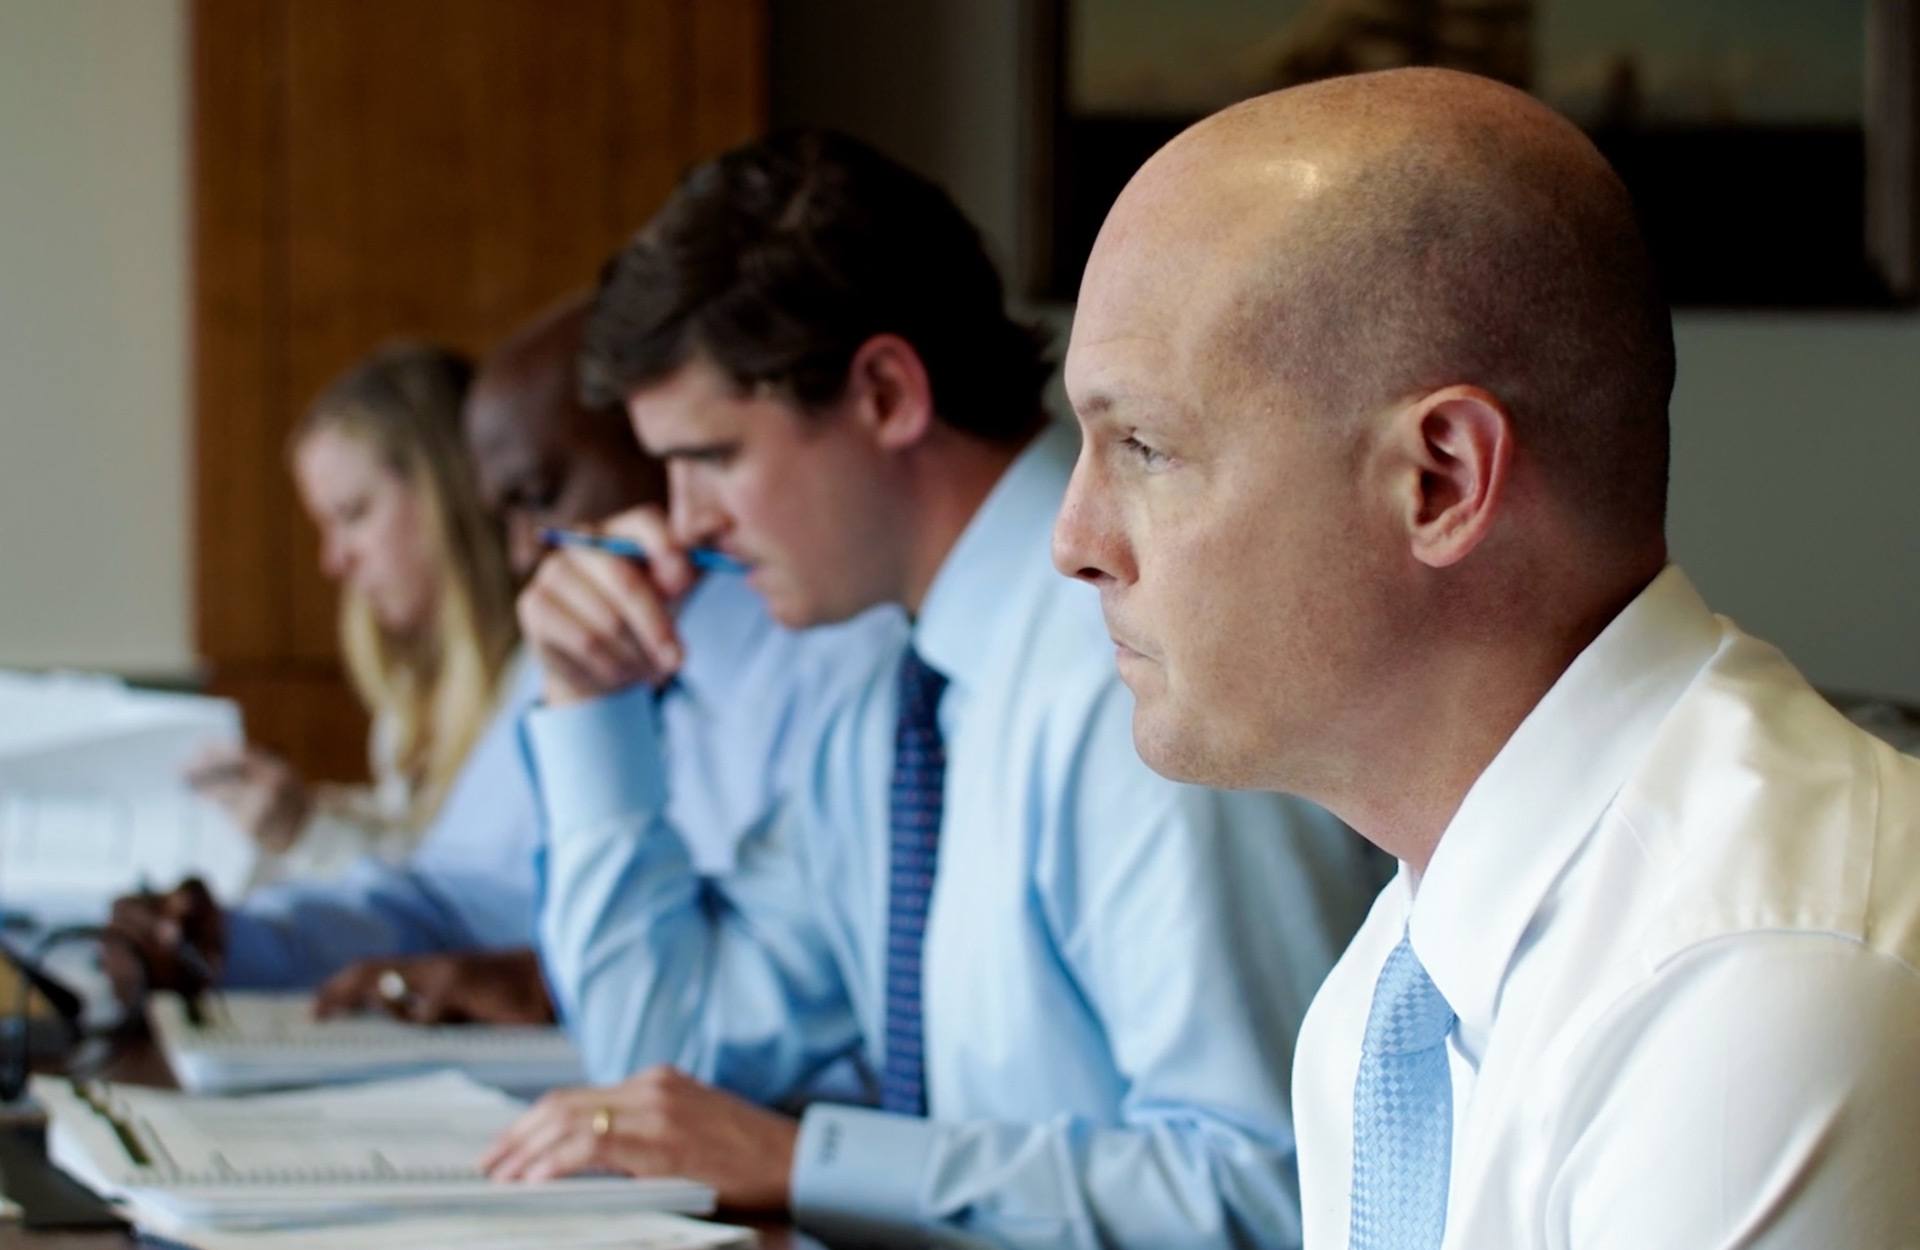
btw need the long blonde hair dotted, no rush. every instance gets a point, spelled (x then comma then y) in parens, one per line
(435, 691)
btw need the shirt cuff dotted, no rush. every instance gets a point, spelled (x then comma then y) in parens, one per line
(855, 1167)
(596, 760)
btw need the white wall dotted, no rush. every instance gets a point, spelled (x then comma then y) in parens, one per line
(1796, 487)
(1795, 502)
(93, 335)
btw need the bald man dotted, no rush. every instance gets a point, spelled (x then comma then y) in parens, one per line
(1374, 376)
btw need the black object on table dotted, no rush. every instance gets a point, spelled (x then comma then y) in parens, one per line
(47, 1197)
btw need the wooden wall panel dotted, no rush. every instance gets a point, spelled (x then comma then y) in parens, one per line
(371, 169)
(647, 133)
(729, 90)
(306, 712)
(239, 299)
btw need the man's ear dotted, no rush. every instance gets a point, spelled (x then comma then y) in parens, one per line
(1449, 454)
(889, 392)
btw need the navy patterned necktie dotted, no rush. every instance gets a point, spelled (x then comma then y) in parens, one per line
(919, 775)
(1402, 1112)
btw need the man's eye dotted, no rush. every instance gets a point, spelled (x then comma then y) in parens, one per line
(1147, 456)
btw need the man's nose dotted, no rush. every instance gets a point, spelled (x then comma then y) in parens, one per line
(1086, 543)
(691, 510)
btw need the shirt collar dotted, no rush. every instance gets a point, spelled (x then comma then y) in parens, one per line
(1009, 536)
(1544, 792)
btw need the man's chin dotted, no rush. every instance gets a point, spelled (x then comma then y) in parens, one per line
(791, 613)
(795, 611)
(1163, 747)
(1186, 750)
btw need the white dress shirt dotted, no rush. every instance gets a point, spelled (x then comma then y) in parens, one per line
(1679, 919)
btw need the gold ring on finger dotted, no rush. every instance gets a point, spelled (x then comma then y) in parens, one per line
(602, 1121)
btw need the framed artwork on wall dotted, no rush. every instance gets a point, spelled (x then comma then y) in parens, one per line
(1770, 144)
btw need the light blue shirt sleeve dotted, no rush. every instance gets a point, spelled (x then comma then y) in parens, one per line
(642, 797)
(651, 961)
(469, 885)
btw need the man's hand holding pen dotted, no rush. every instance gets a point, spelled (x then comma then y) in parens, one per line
(179, 937)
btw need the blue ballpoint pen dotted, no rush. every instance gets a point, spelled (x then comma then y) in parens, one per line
(705, 559)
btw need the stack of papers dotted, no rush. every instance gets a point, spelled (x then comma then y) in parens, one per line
(183, 1165)
(556, 1231)
(92, 803)
(271, 1041)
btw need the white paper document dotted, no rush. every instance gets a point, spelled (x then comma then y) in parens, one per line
(254, 1041)
(92, 804)
(551, 1231)
(180, 1162)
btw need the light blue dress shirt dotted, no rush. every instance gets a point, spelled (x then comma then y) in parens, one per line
(471, 884)
(1115, 965)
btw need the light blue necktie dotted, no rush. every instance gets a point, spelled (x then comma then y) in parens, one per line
(919, 780)
(1402, 1113)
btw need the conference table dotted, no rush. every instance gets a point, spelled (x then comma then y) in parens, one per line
(137, 1061)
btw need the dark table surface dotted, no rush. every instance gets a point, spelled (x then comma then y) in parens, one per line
(139, 1062)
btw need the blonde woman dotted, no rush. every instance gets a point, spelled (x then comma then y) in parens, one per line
(426, 615)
